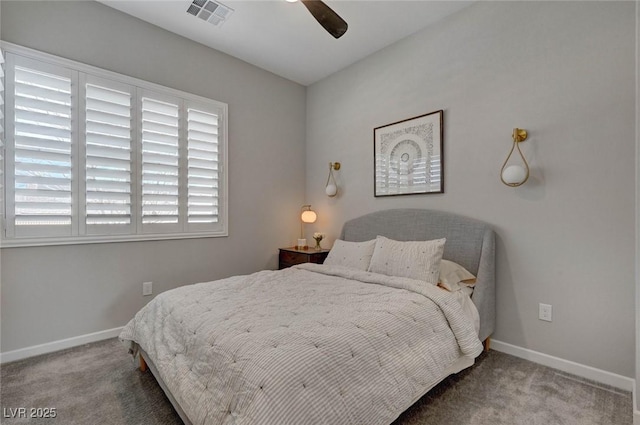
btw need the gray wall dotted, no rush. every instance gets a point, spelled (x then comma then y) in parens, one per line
(637, 394)
(51, 293)
(565, 71)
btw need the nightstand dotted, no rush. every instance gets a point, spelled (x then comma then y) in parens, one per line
(292, 256)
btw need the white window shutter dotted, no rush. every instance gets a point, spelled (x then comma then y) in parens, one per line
(160, 163)
(108, 189)
(203, 168)
(2, 218)
(1, 103)
(40, 149)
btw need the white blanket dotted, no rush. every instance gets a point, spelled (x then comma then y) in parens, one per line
(312, 344)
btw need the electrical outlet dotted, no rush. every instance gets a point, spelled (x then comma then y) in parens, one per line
(147, 288)
(545, 312)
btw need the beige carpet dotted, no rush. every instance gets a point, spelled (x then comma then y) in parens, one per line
(99, 384)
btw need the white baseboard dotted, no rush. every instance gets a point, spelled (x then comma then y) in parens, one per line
(588, 372)
(50, 347)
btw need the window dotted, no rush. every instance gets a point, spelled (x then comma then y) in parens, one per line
(94, 156)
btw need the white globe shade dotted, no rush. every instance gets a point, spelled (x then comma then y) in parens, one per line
(331, 190)
(308, 216)
(514, 174)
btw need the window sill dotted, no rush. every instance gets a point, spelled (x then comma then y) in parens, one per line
(74, 240)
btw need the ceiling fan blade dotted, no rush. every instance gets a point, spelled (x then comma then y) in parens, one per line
(330, 20)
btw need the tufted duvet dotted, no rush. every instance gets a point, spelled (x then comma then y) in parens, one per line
(312, 344)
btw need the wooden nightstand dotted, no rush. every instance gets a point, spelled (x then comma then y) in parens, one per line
(292, 256)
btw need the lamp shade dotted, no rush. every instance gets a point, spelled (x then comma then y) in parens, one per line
(308, 216)
(331, 190)
(514, 174)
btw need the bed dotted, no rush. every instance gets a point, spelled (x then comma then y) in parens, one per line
(320, 344)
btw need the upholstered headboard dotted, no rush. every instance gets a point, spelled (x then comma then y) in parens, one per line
(470, 243)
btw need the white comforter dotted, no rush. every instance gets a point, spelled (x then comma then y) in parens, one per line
(311, 344)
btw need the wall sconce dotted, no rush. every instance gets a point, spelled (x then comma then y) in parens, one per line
(331, 188)
(307, 216)
(515, 175)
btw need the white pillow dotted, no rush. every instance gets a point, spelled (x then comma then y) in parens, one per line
(413, 259)
(454, 277)
(356, 255)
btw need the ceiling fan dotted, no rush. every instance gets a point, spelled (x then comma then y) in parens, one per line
(217, 13)
(330, 20)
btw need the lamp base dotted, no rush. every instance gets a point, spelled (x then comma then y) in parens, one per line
(302, 244)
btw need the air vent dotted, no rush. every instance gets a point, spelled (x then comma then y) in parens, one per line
(211, 11)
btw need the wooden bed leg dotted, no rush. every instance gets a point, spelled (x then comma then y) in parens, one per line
(487, 344)
(143, 365)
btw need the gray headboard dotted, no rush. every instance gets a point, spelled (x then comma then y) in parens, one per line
(470, 243)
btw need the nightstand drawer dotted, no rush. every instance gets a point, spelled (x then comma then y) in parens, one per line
(291, 256)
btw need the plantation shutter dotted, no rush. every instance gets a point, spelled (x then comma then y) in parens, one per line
(40, 152)
(108, 156)
(2, 222)
(160, 125)
(203, 167)
(1, 106)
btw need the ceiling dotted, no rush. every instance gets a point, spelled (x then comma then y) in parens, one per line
(285, 39)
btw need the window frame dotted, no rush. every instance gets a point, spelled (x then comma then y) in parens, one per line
(83, 73)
